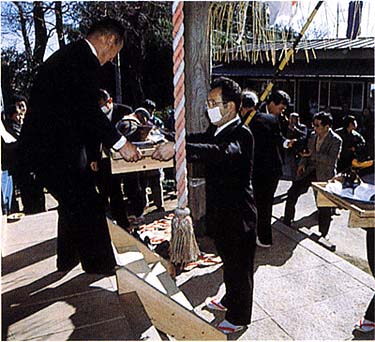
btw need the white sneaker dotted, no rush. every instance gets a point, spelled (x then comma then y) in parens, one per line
(215, 304)
(263, 244)
(365, 326)
(227, 327)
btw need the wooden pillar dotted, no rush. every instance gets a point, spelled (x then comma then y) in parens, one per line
(197, 81)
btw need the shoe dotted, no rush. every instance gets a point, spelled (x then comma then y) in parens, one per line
(264, 245)
(227, 327)
(215, 304)
(365, 326)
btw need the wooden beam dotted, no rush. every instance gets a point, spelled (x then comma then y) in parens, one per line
(323, 201)
(137, 317)
(167, 315)
(355, 221)
(122, 239)
(156, 275)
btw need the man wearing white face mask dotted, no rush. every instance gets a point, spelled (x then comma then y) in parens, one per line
(226, 149)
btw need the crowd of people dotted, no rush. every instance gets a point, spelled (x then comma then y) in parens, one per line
(63, 144)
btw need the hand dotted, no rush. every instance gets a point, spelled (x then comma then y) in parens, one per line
(130, 152)
(164, 151)
(291, 142)
(300, 170)
(94, 166)
(305, 153)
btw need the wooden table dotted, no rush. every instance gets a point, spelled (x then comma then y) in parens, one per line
(361, 215)
(119, 165)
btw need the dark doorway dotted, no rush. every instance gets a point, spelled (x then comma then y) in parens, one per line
(308, 100)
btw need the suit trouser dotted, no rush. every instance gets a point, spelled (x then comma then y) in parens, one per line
(152, 178)
(370, 242)
(237, 252)
(110, 186)
(82, 227)
(135, 192)
(298, 188)
(264, 187)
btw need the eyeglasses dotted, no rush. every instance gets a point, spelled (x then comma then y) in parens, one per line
(213, 103)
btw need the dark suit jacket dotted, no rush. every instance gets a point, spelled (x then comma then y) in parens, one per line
(94, 150)
(64, 112)
(228, 158)
(119, 111)
(268, 145)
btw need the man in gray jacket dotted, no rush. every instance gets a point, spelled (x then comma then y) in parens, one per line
(318, 164)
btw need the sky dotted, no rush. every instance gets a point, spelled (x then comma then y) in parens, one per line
(326, 19)
(324, 22)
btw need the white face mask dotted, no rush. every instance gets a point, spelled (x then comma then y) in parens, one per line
(105, 109)
(214, 114)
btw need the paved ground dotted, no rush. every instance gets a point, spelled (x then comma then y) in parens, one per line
(302, 290)
(350, 242)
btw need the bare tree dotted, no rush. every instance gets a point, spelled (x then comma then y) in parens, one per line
(59, 23)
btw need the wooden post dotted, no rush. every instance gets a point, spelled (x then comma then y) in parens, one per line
(197, 82)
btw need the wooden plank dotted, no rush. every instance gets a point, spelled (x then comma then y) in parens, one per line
(119, 165)
(323, 201)
(121, 238)
(341, 202)
(137, 317)
(355, 221)
(155, 275)
(167, 315)
(145, 164)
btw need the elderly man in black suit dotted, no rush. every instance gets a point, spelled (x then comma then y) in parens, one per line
(64, 118)
(226, 149)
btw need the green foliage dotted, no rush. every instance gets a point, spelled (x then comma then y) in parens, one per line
(146, 59)
(15, 75)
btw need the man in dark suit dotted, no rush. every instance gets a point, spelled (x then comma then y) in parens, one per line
(269, 143)
(226, 149)
(64, 118)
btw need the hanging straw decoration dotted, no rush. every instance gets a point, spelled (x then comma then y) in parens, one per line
(241, 30)
(183, 246)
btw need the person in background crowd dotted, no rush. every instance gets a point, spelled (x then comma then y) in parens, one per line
(110, 185)
(28, 184)
(9, 144)
(6, 178)
(353, 144)
(64, 119)
(268, 146)
(169, 124)
(318, 164)
(129, 126)
(153, 178)
(297, 131)
(368, 131)
(227, 152)
(249, 100)
(150, 106)
(20, 101)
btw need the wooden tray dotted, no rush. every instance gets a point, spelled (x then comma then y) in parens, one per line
(119, 165)
(362, 215)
